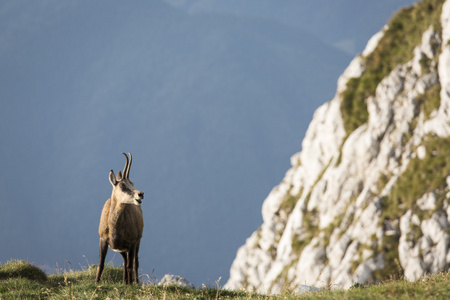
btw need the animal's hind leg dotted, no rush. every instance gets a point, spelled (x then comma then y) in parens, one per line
(101, 261)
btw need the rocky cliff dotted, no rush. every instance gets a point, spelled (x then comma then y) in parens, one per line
(367, 198)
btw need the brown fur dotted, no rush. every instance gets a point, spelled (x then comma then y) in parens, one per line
(121, 226)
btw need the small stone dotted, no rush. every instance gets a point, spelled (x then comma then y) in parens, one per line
(169, 279)
(421, 152)
(306, 288)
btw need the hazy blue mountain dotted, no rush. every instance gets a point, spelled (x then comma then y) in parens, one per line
(211, 107)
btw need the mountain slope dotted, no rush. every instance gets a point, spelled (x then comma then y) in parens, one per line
(367, 197)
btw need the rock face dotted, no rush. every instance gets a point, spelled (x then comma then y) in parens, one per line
(367, 198)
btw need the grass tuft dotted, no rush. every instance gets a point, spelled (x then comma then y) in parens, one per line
(21, 269)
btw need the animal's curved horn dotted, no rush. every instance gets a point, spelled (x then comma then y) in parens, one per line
(127, 166)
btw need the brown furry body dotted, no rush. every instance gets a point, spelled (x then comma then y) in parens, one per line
(121, 225)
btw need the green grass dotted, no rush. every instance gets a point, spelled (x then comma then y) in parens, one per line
(430, 101)
(420, 177)
(22, 280)
(19, 279)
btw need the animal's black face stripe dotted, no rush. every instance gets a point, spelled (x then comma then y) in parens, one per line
(125, 189)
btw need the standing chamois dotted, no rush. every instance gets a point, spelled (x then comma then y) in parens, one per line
(121, 224)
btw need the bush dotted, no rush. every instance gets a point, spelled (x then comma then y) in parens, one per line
(21, 269)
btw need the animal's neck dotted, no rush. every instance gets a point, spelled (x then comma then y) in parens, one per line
(116, 210)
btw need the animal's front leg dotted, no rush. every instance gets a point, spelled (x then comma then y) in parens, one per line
(130, 264)
(125, 266)
(101, 261)
(136, 263)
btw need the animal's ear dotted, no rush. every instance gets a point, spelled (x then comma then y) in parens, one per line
(112, 178)
(119, 176)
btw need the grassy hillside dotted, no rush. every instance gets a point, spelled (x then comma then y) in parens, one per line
(19, 279)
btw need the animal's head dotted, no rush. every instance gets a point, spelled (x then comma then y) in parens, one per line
(123, 187)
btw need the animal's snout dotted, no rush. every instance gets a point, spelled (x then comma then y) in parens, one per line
(141, 195)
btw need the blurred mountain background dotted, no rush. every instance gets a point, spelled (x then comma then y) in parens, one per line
(211, 98)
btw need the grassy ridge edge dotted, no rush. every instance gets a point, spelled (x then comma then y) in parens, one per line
(19, 279)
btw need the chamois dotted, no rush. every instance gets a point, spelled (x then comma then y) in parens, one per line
(121, 223)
